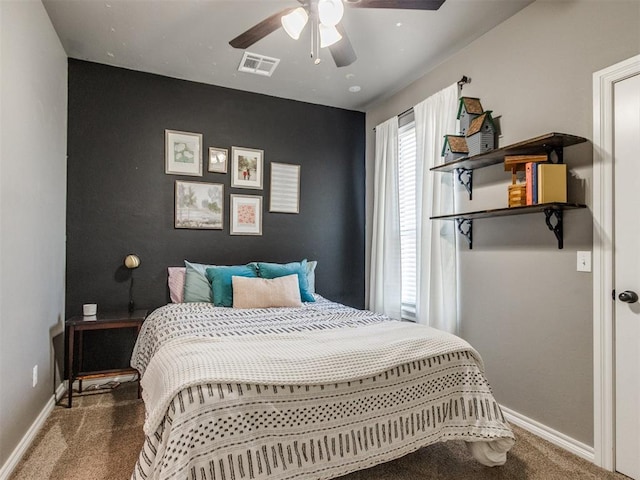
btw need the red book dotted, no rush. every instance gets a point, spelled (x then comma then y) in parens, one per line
(528, 172)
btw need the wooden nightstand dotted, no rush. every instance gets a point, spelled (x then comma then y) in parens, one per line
(101, 321)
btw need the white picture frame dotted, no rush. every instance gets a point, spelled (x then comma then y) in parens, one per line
(199, 205)
(218, 160)
(247, 167)
(183, 153)
(285, 188)
(246, 215)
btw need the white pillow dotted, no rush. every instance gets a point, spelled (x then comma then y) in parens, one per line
(266, 293)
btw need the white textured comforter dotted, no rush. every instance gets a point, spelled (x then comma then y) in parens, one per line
(311, 392)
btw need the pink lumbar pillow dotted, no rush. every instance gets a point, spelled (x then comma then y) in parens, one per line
(266, 293)
(176, 283)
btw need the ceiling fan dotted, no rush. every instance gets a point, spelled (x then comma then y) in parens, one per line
(325, 16)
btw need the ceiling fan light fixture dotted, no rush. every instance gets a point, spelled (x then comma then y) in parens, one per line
(294, 22)
(328, 35)
(330, 12)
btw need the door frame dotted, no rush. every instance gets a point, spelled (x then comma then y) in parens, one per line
(603, 214)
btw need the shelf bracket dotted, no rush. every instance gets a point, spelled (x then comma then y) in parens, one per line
(557, 228)
(465, 177)
(465, 227)
(559, 151)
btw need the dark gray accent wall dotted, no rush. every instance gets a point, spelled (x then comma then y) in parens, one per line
(120, 201)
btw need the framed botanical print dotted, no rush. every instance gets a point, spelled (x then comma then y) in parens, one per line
(246, 215)
(182, 153)
(246, 167)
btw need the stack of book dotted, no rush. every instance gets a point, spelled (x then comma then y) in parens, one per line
(545, 182)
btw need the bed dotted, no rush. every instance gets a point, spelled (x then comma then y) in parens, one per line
(309, 392)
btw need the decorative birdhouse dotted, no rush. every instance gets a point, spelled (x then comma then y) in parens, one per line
(455, 146)
(469, 109)
(481, 134)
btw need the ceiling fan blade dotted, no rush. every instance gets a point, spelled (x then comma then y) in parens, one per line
(398, 4)
(259, 30)
(342, 52)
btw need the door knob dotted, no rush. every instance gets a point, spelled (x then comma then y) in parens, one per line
(628, 296)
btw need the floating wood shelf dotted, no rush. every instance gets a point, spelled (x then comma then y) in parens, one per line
(551, 142)
(464, 221)
(505, 212)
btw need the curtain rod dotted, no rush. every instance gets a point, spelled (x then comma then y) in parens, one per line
(463, 81)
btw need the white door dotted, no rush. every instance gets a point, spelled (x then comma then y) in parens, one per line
(627, 274)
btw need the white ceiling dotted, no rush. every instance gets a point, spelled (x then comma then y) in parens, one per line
(188, 39)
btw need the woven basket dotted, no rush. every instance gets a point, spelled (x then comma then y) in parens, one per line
(517, 195)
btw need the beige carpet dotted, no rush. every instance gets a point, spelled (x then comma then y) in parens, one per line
(100, 437)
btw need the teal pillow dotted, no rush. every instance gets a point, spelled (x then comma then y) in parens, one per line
(220, 278)
(275, 270)
(196, 286)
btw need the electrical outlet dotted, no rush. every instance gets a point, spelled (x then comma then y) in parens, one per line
(584, 262)
(35, 375)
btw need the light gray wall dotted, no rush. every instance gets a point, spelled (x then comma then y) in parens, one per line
(33, 104)
(522, 303)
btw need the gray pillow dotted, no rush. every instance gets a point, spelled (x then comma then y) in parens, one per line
(196, 285)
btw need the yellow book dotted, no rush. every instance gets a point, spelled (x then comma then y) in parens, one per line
(552, 182)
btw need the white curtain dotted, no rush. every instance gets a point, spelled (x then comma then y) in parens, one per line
(436, 297)
(385, 276)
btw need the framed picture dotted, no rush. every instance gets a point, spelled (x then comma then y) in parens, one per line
(182, 153)
(285, 188)
(218, 160)
(246, 167)
(246, 215)
(199, 205)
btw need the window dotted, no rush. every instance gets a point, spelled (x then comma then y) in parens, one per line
(407, 192)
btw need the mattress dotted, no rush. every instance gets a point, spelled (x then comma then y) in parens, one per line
(311, 392)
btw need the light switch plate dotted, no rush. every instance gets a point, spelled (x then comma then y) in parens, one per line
(584, 261)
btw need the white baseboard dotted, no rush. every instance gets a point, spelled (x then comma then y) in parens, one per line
(12, 462)
(549, 434)
(60, 391)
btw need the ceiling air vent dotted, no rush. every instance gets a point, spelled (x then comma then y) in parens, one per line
(258, 64)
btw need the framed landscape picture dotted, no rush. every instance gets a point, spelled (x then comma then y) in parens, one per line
(246, 167)
(246, 215)
(199, 205)
(182, 153)
(218, 160)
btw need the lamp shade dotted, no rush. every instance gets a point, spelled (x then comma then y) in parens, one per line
(294, 22)
(330, 12)
(131, 261)
(328, 35)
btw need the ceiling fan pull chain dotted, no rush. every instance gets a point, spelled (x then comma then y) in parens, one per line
(315, 40)
(317, 47)
(312, 38)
